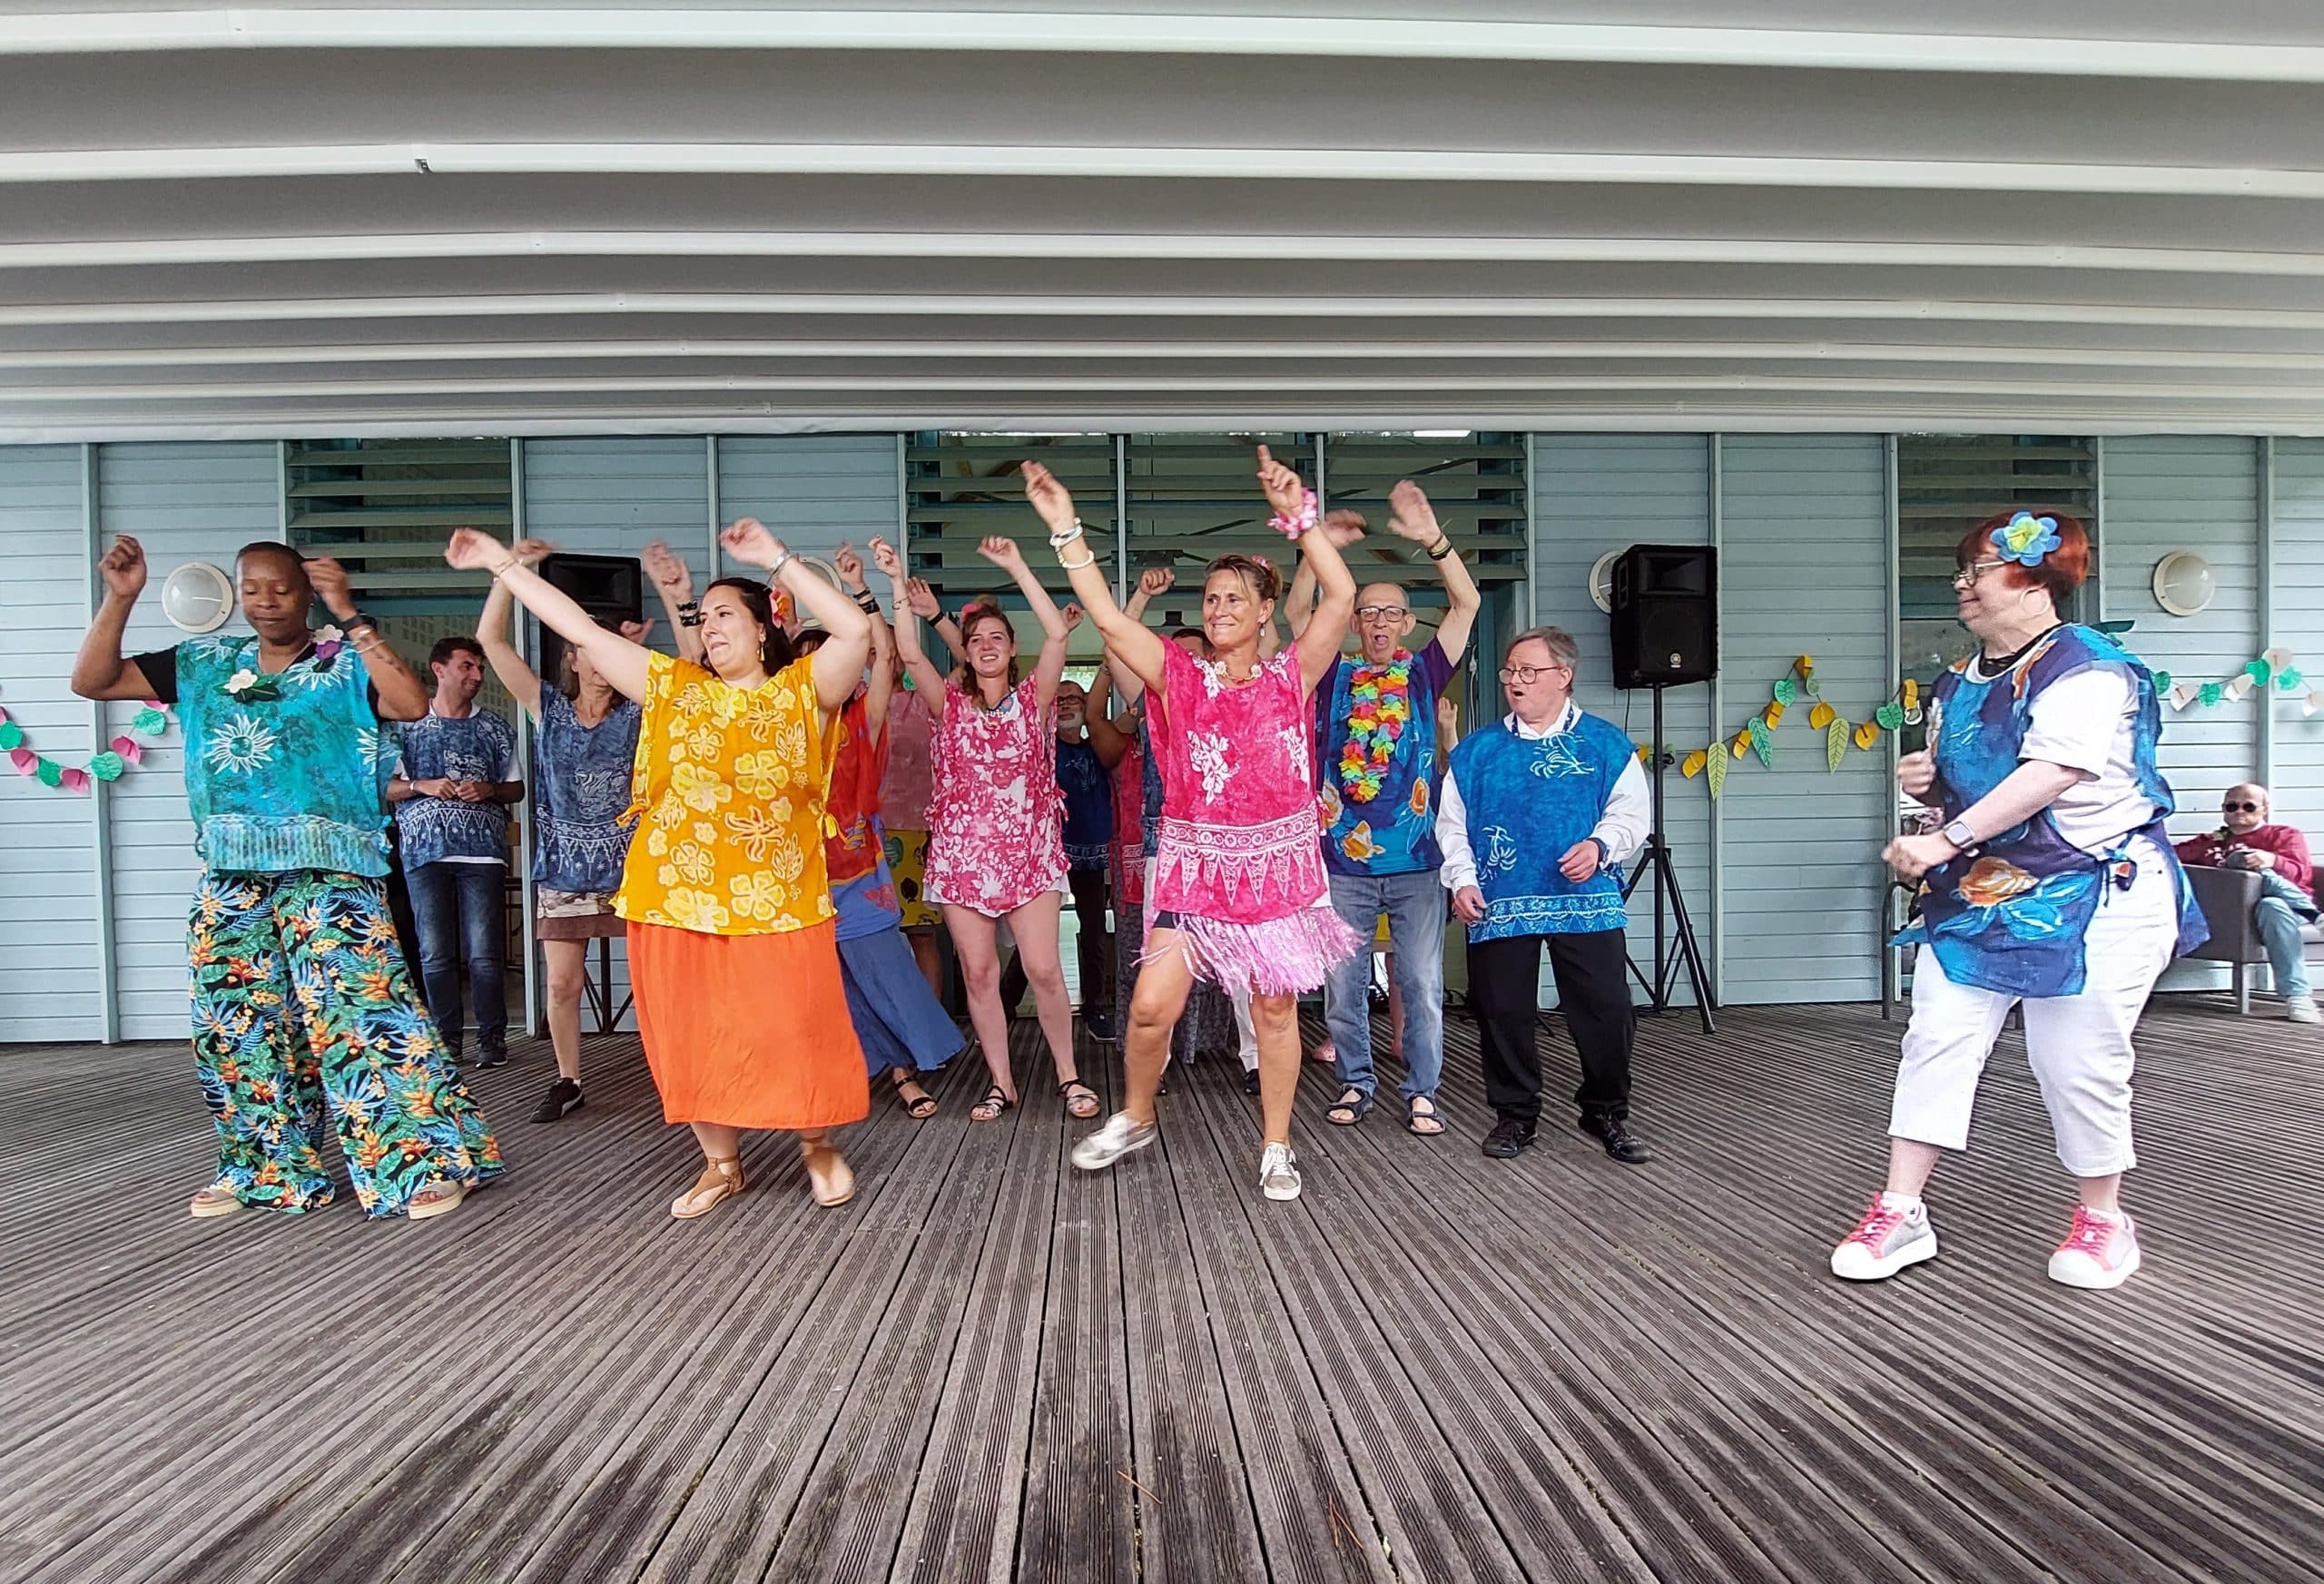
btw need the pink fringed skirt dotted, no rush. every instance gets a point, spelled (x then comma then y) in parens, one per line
(1276, 957)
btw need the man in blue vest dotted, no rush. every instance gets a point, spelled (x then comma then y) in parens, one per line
(1538, 812)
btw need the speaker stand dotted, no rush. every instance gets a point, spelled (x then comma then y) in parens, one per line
(1669, 907)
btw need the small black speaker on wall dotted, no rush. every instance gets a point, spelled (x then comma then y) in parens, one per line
(1665, 618)
(611, 588)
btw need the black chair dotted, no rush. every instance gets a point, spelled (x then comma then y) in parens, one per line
(2227, 897)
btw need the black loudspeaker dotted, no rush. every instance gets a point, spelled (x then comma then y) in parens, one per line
(1665, 624)
(612, 588)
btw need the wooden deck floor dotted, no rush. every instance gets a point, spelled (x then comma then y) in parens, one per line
(1433, 1367)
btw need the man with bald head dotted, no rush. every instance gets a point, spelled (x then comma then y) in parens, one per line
(1381, 769)
(2247, 839)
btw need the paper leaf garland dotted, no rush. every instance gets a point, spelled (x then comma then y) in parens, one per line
(1715, 771)
(1890, 716)
(12, 735)
(1773, 715)
(2210, 692)
(106, 766)
(1836, 741)
(1762, 743)
(1692, 766)
(1822, 715)
(1867, 734)
(2290, 680)
(2162, 682)
(1787, 691)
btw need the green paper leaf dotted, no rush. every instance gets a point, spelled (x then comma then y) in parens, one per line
(1891, 716)
(107, 766)
(150, 723)
(12, 735)
(2213, 692)
(1815, 688)
(50, 772)
(2162, 682)
(2290, 680)
(1763, 742)
(1835, 743)
(1715, 769)
(1786, 691)
(2260, 670)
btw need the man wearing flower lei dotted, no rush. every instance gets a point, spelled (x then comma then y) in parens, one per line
(302, 1005)
(1376, 722)
(2052, 885)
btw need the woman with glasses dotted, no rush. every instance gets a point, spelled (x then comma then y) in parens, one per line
(2051, 883)
(1238, 894)
(1538, 814)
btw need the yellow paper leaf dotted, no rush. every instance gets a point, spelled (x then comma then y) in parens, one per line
(1692, 766)
(1822, 715)
(1867, 734)
(1773, 713)
(1911, 696)
(1741, 744)
(1806, 664)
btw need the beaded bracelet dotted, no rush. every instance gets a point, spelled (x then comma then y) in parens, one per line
(1088, 560)
(1060, 541)
(1292, 527)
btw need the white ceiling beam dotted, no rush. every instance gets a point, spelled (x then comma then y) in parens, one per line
(1157, 33)
(110, 253)
(1190, 164)
(1498, 351)
(614, 304)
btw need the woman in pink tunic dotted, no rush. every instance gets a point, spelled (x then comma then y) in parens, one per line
(996, 841)
(1238, 897)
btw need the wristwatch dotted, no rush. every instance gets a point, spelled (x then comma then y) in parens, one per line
(1605, 853)
(1960, 835)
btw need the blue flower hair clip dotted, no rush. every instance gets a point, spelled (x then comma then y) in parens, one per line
(2026, 538)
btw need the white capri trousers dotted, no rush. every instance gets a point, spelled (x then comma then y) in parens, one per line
(2079, 1046)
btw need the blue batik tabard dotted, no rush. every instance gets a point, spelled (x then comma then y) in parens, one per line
(1527, 801)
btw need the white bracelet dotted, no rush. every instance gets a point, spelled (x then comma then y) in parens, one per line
(1060, 541)
(1088, 560)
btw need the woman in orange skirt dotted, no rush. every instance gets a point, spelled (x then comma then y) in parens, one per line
(733, 945)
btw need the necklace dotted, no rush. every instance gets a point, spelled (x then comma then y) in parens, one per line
(1380, 708)
(1991, 666)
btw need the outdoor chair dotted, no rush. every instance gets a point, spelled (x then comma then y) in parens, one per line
(2227, 897)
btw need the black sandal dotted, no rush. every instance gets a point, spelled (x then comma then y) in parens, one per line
(918, 1110)
(1096, 1105)
(989, 1109)
(1414, 1117)
(1357, 1108)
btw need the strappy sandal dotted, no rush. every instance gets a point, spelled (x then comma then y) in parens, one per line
(1414, 1118)
(720, 1179)
(919, 1109)
(1073, 1101)
(989, 1109)
(436, 1198)
(835, 1184)
(1353, 1105)
(218, 1199)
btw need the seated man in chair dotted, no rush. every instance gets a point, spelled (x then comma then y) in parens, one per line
(2246, 840)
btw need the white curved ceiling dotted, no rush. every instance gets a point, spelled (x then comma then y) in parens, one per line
(540, 218)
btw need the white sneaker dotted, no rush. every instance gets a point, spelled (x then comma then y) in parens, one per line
(1119, 1136)
(2099, 1253)
(1884, 1242)
(1279, 1173)
(2302, 1009)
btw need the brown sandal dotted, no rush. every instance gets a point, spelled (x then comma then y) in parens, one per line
(720, 1179)
(832, 1182)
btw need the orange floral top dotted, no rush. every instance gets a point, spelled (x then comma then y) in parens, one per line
(729, 786)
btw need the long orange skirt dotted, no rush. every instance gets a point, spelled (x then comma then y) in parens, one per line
(748, 1030)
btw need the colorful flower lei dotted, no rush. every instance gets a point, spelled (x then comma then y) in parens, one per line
(1381, 707)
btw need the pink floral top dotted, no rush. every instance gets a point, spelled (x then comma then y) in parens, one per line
(1241, 838)
(995, 825)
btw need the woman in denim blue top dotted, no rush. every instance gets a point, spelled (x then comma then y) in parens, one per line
(581, 765)
(301, 1002)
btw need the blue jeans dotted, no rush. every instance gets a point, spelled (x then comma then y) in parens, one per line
(1415, 904)
(460, 915)
(2278, 916)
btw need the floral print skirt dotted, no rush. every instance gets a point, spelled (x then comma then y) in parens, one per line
(303, 1010)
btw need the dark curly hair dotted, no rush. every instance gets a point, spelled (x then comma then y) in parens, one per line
(774, 643)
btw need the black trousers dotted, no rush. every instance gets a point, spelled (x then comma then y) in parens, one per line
(1093, 947)
(1504, 987)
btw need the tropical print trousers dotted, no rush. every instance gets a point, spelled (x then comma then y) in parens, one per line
(302, 1007)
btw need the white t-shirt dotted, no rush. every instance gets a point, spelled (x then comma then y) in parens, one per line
(2086, 722)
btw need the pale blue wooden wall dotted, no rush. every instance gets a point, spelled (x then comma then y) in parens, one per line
(2297, 592)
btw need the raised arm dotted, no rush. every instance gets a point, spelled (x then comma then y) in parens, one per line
(1345, 527)
(880, 686)
(100, 670)
(1412, 518)
(674, 581)
(1138, 648)
(1109, 739)
(1047, 671)
(620, 661)
(923, 603)
(402, 696)
(910, 613)
(838, 665)
(492, 631)
(1152, 583)
(1319, 639)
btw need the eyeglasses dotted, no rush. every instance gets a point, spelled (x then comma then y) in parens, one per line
(2239, 808)
(1373, 613)
(1968, 576)
(1525, 675)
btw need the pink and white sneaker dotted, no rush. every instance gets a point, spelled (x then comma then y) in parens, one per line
(2100, 1252)
(1885, 1240)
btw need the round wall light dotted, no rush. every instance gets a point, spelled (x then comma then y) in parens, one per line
(197, 597)
(2183, 584)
